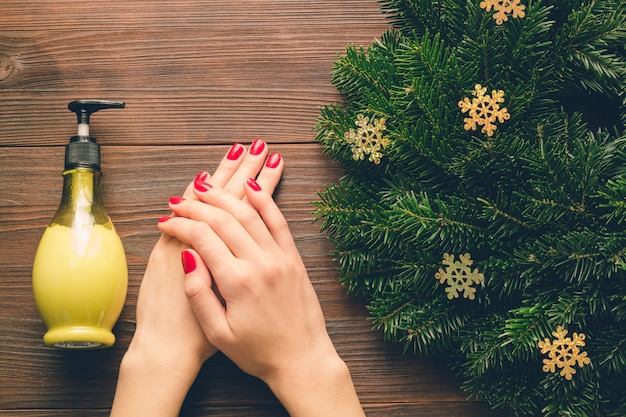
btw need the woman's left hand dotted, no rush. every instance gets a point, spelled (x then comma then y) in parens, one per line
(169, 343)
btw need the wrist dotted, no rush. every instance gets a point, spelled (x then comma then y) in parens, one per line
(152, 383)
(316, 386)
(143, 352)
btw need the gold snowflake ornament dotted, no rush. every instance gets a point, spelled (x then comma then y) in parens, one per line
(504, 8)
(368, 139)
(459, 276)
(484, 110)
(564, 352)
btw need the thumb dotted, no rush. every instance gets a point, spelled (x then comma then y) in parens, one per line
(204, 302)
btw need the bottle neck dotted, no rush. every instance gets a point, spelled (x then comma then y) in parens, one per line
(81, 202)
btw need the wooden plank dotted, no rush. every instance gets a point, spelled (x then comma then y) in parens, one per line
(201, 72)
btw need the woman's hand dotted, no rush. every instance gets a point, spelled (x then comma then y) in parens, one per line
(251, 293)
(164, 317)
(169, 346)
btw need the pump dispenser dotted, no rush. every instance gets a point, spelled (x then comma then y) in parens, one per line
(80, 275)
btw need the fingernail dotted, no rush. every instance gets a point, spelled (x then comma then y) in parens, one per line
(176, 199)
(273, 160)
(235, 152)
(164, 219)
(200, 184)
(189, 262)
(253, 184)
(203, 187)
(257, 147)
(201, 177)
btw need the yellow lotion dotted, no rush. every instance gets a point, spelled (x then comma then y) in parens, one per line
(79, 282)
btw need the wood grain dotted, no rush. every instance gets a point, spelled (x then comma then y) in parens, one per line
(191, 72)
(196, 76)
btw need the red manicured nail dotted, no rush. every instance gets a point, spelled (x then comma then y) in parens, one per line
(203, 187)
(253, 184)
(200, 184)
(257, 147)
(201, 177)
(189, 262)
(176, 199)
(273, 160)
(164, 219)
(235, 152)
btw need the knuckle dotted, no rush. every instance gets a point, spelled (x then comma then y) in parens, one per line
(199, 236)
(282, 225)
(248, 216)
(219, 337)
(199, 231)
(222, 218)
(194, 287)
(271, 272)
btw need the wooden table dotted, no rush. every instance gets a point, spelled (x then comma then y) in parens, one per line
(196, 76)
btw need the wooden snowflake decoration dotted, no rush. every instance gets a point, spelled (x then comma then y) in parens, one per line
(484, 110)
(504, 8)
(459, 276)
(564, 352)
(368, 139)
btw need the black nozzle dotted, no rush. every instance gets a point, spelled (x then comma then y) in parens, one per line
(84, 108)
(83, 149)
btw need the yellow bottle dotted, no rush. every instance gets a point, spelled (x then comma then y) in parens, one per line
(80, 275)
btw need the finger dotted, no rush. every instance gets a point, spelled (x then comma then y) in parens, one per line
(229, 164)
(272, 217)
(250, 166)
(233, 219)
(189, 194)
(199, 235)
(240, 236)
(270, 174)
(205, 303)
(189, 191)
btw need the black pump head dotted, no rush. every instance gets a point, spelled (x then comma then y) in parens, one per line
(84, 108)
(83, 151)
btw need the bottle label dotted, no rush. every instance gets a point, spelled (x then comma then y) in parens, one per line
(78, 345)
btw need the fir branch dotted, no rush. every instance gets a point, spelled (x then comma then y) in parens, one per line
(615, 195)
(577, 398)
(492, 210)
(432, 223)
(587, 41)
(425, 328)
(610, 348)
(367, 71)
(414, 16)
(525, 326)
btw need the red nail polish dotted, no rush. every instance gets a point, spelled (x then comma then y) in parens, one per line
(176, 199)
(253, 184)
(273, 160)
(235, 152)
(200, 184)
(201, 177)
(203, 187)
(164, 219)
(189, 262)
(257, 147)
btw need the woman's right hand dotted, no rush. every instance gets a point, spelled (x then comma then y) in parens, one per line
(164, 317)
(250, 290)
